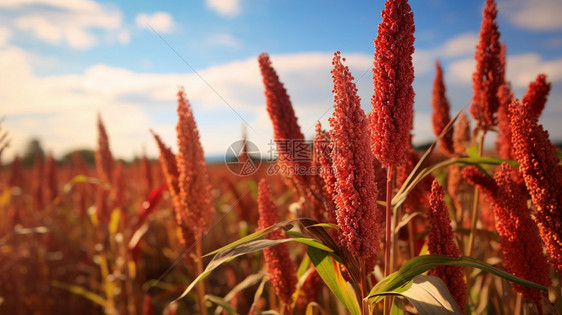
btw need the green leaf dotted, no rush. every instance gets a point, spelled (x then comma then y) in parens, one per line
(330, 273)
(78, 290)
(421, 264)
(417, 175)
(222, 303)
(256, 235)
(303, 267)
(229, 254)
(429, 295)
(257, 296)
(398, 306)
(325, 225)
(312, 243)
(472, 151)
(249, 244)
(246, 283)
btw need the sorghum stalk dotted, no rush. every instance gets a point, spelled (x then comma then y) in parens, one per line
(281, 269)
(441, 241)
(456, 186)
(104, 166)
(486, 80)
(194, 187)
(475, 202)
(392, 117)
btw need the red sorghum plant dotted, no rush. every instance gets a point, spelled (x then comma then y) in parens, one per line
(352, 163)
(104, 166)
(170, 169)
(392, 117)
(393, 73)
(193, 182)
(293, 153)
(542, 174)
(323, 163)
(536, 95)
(520, 242)
(441, 241)
(281, 269)
(441, 117)
(489, 74)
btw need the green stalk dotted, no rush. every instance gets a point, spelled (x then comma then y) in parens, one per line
(201, 284)
(388, 238)
(475, 202)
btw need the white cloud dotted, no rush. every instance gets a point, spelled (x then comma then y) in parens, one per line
(461, 45)
(224, 40)
(461, 71)
(62, 109)
(124, 37)
(72, 23)
(75, 5)
(536, 15)
(228, 8)
(5, 35)
(161, 22)
(458, 46)
(521, 69)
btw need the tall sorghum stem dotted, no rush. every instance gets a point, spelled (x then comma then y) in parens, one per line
(364, 307)
(388, 237)
(475, 203)
(201, 284)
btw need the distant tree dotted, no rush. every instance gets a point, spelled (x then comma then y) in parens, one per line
(87, 154)
(33, 149)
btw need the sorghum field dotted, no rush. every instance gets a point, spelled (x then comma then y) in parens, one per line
(354, 221)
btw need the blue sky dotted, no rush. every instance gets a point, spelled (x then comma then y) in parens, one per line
(64, 61)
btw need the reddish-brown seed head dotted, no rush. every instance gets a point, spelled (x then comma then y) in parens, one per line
(536, 95)
(461, 135)
(519, 237)
(441, 241)
(293, 152)
(195, 189)
(539, 166)
(51, 179)
(393, 73)
(489, 74)
(171, 174)
(352, 163)
(104, 158)
(323, 161)
(441, 109)
(281, 269)
(503, 142)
